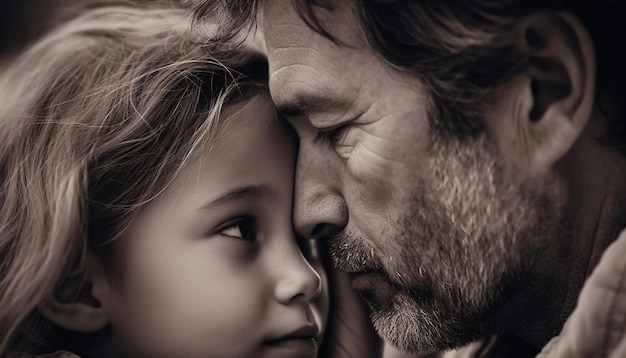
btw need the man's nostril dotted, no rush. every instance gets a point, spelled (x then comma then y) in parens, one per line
(325, 230)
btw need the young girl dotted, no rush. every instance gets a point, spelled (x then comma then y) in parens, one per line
(146, 192)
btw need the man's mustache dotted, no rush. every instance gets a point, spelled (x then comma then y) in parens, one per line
(349, 253)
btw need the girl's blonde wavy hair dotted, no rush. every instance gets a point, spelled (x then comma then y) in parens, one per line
(95, 120)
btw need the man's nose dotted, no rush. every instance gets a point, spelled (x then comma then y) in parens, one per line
(319, 208)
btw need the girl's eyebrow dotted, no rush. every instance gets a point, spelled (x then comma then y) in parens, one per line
(243, 193)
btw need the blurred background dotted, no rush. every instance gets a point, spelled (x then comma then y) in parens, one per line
(22, 21)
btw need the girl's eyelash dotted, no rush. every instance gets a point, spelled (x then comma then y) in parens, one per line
(329, 136)
(246, 226)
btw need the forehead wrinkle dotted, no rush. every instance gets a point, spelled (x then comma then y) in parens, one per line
(285, 23)
(293, 33)
(286, 48)
(286, 57)
(282, 21)
(291, 65)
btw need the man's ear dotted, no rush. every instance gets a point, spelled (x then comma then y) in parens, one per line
(80, 306)
(562, 76)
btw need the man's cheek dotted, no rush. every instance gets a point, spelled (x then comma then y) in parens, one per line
(372, 161)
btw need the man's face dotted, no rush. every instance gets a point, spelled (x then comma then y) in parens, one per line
(435, 234)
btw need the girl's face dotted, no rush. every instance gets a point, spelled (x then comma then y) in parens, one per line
(211, 268)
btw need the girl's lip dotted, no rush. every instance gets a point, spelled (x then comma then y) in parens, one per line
(293, 342)
(307, 332)
(293, 347)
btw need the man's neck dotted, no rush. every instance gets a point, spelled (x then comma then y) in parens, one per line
(597, 181)
(595, 215)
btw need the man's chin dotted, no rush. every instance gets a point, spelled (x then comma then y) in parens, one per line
(418, 327)
(399, 317)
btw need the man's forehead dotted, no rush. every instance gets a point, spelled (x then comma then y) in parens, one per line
(281, 25)
(311, 74)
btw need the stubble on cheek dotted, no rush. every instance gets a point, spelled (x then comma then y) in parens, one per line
(462, 243)
(462, 226)
(467, 241)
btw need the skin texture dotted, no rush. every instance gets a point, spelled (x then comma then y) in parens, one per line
(447, 239)
(208, 277)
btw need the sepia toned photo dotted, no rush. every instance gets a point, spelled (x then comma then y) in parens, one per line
(312, 178)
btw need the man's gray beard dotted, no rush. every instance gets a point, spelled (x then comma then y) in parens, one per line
(464, 243)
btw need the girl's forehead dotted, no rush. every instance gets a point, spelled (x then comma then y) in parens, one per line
(248, 129)
(233, 125)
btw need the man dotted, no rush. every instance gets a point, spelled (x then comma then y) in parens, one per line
(465, 160)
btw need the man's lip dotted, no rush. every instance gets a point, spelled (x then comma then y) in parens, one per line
(375, 288)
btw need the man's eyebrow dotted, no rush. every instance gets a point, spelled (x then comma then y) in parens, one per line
(239, 194)
(306, 104)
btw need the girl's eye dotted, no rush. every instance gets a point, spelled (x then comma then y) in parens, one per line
(244, 229)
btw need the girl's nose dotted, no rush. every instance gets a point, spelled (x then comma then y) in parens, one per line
(297, 279)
